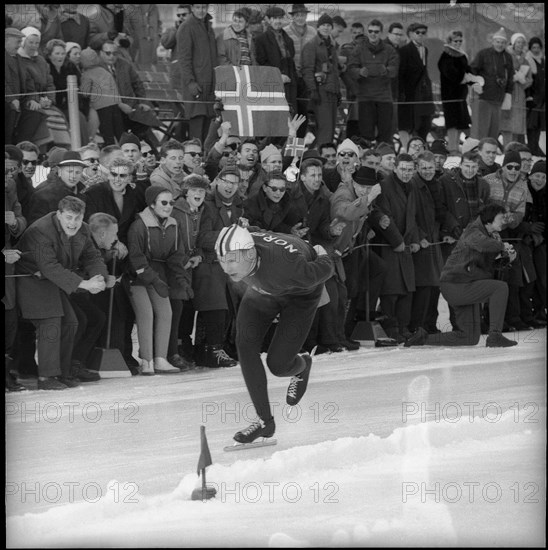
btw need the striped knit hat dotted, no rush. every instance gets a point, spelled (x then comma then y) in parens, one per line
(233, 238)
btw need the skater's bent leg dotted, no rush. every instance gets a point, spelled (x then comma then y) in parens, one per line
(295, 321)
(255, 316)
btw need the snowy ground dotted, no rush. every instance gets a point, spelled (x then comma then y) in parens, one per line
(405, 447)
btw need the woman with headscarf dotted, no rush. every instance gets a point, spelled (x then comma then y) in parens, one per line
(512, 121)
(454, 73)
(36, 80)
(536, 121)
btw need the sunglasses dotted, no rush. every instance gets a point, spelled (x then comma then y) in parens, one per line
(228, 181)
(513, 167)
(420, 32)
(276, 189)
(31, 162)
(108, 53)
(146, 153)
(92, 160)
(165, 203)
(397, 33)
(347, 154)
(373, 32)
(181, 15)
(121, 176)
(229, 153)
(192, 154)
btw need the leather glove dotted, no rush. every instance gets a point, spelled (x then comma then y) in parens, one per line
(364, 72)
(161, 288)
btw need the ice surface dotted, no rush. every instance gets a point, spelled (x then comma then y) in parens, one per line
(389, 447)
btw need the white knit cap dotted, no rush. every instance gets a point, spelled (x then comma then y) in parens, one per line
(501, 33)
(70, 45)
(268, 151)
(233, 238)
(28, 31)
(517, 35)
(348, 145)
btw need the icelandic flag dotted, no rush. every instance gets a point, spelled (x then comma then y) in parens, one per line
(253, 99)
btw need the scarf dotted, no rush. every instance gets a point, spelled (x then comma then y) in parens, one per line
(281, 43)
(534, 60)
(245, 56)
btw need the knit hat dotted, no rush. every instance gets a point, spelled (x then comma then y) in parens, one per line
(14, 153)
(11, 31)
(70, 45)
(469, 145)
(324, 20)
(128, 137)
(538, 168)
(233, 238)
(438, 147)
(55, 156)
(365, 176)
(152, 193)
(414, 27)
(229, 170)
(275, 12)
(72, 158)
(29, 31)
(384, 149)
(338, 20)
(511, 156)
(348, 145)
(195, 181)
(268, 151)
(517, 35)
(501, 33)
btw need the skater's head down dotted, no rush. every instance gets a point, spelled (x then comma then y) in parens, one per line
(236, 252)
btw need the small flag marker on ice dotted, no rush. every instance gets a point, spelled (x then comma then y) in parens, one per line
(205, 493)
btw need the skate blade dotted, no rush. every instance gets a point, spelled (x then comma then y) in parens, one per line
(266, 442)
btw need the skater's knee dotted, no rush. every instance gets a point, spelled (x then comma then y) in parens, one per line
(284, 366)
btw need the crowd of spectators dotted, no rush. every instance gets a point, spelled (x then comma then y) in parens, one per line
(128, 216)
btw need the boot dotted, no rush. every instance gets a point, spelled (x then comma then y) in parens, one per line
(497, 340)
(147, 368)
(257, 429)
(217, 357)
(200, 355)
(11, 379)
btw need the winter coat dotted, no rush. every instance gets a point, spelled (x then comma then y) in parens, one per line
(454, 200)
(382, 63)
(75, 30)
(63, 263)
(414, 85)
(100, 198)
(269, 216)
(36, 77)
(129, 82)
(315, 58)
(12, 75)
(514, 120)
(25, 189)
(209, 281)
(47, 195)
(473, 257)
(103, 21)
(513, 196)
(299, 40)
(497, 71)
(196, 52)
(10, 234)
(403, 228)
(228, 48)
(453, 64)
(157, 252)
(143, 25)
(100, 86)
(316, 216)
(171, 182)
(428, 261)
(268, 53)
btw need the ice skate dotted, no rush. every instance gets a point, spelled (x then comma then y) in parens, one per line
(259, 434)
(298, 384)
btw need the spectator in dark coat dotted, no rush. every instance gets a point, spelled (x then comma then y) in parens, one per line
(496, 67)
(196, 52)
(428, 260)
(374, 64)
(12, 77)
(274, 48)
(397, 200)
(453, 66)
(394, 38)
(65, 182)
(75, 27)
(415, 85)
(21, 161)
(536, 96)
(169, 41)
(487, 150)
(45, 298)
(320, 70)
(235, 45)
(106, 23)
(468, 280)
(223, 208)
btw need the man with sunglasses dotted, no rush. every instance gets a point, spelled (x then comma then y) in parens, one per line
(373, 64)
(22, 162)
(415, 87)
(509, 189)
(169, 41)
(348, 161)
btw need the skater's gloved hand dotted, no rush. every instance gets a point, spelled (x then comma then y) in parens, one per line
(320, 250)
(160, 287)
